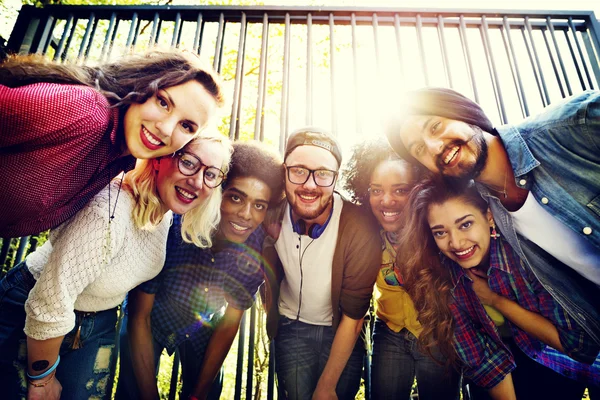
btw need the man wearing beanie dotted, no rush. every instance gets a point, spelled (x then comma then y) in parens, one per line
(325, 261)
(541, 178)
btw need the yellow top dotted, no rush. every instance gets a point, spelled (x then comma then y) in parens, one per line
(392, 302)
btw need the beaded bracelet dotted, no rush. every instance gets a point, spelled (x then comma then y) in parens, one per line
(47, 372)
(42, 384)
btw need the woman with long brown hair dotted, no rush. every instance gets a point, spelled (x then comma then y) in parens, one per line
(482, 307)
(67, 129)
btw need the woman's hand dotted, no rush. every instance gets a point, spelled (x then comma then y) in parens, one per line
(50, 391)
(482, 289)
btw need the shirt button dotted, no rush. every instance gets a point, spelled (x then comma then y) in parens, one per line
(587, 230)
(212, 260)
(187, 335)
(206, 289)
(544, 200)
(522, 182)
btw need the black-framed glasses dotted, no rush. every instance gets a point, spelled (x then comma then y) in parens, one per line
(321, 177)
(189, 165)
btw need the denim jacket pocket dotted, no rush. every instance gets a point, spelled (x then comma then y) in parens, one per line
(594, 205)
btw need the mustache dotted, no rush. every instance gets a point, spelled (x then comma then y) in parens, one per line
(439, 161)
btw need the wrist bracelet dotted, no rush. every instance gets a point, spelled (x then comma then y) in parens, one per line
(42, 384)
(47, 372)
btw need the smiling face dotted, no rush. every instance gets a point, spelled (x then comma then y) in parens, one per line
(181, 193)
(390, 185)
(450, 147)
(461, 231)
(168, 120)
(244, 207)
(309, 201)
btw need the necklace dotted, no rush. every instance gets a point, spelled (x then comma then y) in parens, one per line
(111, 216)
(503, 192)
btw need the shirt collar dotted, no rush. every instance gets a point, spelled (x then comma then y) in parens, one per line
(521, 158)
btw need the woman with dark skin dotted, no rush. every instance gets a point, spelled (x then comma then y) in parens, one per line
(67, 129)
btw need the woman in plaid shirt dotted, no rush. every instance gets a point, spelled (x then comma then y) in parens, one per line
(481, 305)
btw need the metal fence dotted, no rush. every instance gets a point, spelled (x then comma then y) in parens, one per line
(332, 67)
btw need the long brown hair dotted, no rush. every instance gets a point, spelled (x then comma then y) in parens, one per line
(427, 281)
(131, 79)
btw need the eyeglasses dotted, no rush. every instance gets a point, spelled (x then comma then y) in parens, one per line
(321, 177)
(189, 165)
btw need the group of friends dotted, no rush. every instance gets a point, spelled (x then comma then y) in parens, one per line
(478, 245)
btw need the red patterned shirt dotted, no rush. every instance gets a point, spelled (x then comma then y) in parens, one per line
(59, 146)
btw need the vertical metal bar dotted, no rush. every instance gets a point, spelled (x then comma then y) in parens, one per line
(63, 39)
(558, 55)
(575, 61)
(285, 85)
(4, 251)
(533, 68)
(219, 44)
(442, 38)
(592, 57)
(63, 56)
(21, 249)
(233, 123)
(174, 376)
(309, 71)
(271, 372)
(537, 61)
(419, 28)
(111, 25)
(553, 63)
(332, 51)
(492, 67)
(136, 35)
(176, 30)
(467, 52)
(240, 358)
(398, 44)
(89, 46)
(154, 32)
(86, 35)
(262, 73)
(158, 32)
(376, 44)
(198, 34)
(355, 65)
(46, 37)
(113, 37)
(130, 35)
(585, 68)
(594, 34)
(251, 339)
(520, 90)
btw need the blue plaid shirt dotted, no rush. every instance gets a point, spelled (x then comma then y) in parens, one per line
(486, 359)
(196, 285)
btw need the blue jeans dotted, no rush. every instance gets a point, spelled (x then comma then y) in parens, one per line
(396, 361)
(301, 352)
(191, 364)
(83, 373)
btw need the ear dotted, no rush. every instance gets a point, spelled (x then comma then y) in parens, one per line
(155, 163)
(490, 217)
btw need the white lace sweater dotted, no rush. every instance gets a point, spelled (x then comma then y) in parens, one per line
(76, 269)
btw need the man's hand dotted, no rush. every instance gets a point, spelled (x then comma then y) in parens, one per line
(51, 391)
(324, 394)
(482, 289)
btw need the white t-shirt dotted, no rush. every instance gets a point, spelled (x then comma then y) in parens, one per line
(538, 225)
(308, 263)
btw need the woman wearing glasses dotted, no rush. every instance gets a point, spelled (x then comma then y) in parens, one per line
(197, 301)
(68, 129)
(58, 309)
(381, 181)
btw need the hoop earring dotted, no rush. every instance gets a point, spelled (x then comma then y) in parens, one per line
(494, 234)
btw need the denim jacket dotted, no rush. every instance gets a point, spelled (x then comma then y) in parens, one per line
(556, 156)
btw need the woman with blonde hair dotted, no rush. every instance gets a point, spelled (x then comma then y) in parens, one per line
(58, 309)
(68, 129)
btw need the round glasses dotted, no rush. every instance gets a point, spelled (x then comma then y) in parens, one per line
(300, 175)
(189, 165)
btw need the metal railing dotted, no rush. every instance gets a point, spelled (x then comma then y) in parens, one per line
(331, 66)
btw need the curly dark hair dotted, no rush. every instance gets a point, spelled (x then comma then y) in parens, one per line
(131, 79)
(254, 159)
(366, 156)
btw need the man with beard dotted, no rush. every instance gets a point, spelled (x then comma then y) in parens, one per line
(541, 178)
(325, 261)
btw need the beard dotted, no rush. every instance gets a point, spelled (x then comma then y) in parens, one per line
(467, 172)
(308, 214)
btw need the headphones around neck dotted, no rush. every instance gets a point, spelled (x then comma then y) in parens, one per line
(314, 231)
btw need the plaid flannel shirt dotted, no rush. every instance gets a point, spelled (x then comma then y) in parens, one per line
(195, 286)
(486, 359)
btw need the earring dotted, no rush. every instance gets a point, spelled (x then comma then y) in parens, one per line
(494, 234)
